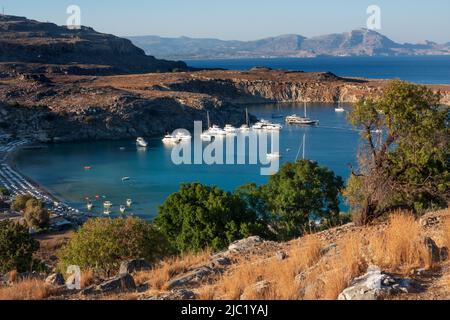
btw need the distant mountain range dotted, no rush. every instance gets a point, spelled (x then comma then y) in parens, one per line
(362, 42)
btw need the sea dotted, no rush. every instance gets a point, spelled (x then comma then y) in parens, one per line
(152, 175)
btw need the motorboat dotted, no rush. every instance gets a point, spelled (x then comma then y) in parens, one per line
(107, 204)
(183, 136)
(229, 129)
(122, 209)
(244, 128)
(217, 131)
(129, 202)
(260, 125)
(273, 155)
(90, 205)
(107, 212)
(274, 127)
(141, 142)
(126, 179)
(298, 120)
(169, 138)
(206, 136)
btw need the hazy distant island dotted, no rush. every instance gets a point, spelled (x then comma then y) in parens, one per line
(361, 42)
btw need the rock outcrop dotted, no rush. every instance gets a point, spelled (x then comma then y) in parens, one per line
(24, 40)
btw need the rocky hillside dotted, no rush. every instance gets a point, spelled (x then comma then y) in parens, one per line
(54, 107)
(29, 41)
(362, 42)
(399, 258)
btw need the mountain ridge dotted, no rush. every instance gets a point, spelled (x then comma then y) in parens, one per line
(359, 42)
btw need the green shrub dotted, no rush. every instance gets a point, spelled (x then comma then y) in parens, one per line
(102, 244)
(16, 247)
(4, 191)
(36, 215)
(198, 217)
(20, 202)
(301, 192)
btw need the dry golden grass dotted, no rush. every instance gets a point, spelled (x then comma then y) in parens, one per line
(27, 290)
(158, 277)
(446, 233)
(400, 247)
(87, 278)
(280, 274)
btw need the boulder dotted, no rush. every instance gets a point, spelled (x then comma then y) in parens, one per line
(121, 283)
(219, 262)
(55, 279)
(245, 244)
(433, 249)
(376, 285)
(257, 289)
(328, 249)
(133, 266)
(281, 255)
(193, 277)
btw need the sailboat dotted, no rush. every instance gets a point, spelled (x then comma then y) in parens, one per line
(206, 135)
(339, 108)
(245, 127)
(303, 146)
(295, 119)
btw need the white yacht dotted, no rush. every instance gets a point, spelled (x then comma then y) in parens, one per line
(107, 204)
(274, 127)
(229, 129)
(244, 128)
(141, 142)
(217, 131)
(183, 136)
(206, 136)
(305, 121)
(169, 138)
(260, 125)
(90, 205)
(122, 209)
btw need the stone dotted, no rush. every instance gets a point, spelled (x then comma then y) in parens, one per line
(55, 279)
(376, 285)
(219, 262)
(88, 291)
(444, 254)
(245, 244)
(121, 283)
(328, 249)
(281, 255)
(195, 276)
(133, 266)
(257, 289)
(433, 249)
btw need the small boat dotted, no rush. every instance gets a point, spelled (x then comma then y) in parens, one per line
(205, 136)
(169, 138)
(90, 205)
(339, 108)
(107, 204)
(274, 155)
(260, 125)
(107, 212)
(216, 131)
(244, 128)
(122, 209)
(141, 142)
(122, 148)
(88, 168)
(129, 202)
(229, 129)
(274, 127)
(378, 131)
(126, 179)
(181, 136)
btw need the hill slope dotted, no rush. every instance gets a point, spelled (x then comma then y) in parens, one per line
(29, 41)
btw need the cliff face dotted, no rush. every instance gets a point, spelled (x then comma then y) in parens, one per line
(49, 107)
(23, 40)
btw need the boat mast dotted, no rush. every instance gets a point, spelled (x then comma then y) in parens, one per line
(247, 121)
(305, 110)
(304, 146)
(209, 121)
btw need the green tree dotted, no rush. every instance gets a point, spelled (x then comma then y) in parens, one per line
(198, 217)
(36, 215)
(16, 247)
(300, 192)
(404, 156)
(20, 202)
(102, 244)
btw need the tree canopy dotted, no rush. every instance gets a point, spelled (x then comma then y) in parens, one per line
(404, 156)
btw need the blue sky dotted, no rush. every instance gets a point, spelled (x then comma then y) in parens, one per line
(402, 20)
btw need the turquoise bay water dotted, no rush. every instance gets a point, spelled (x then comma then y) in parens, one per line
(417, 69)
(60, 167)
